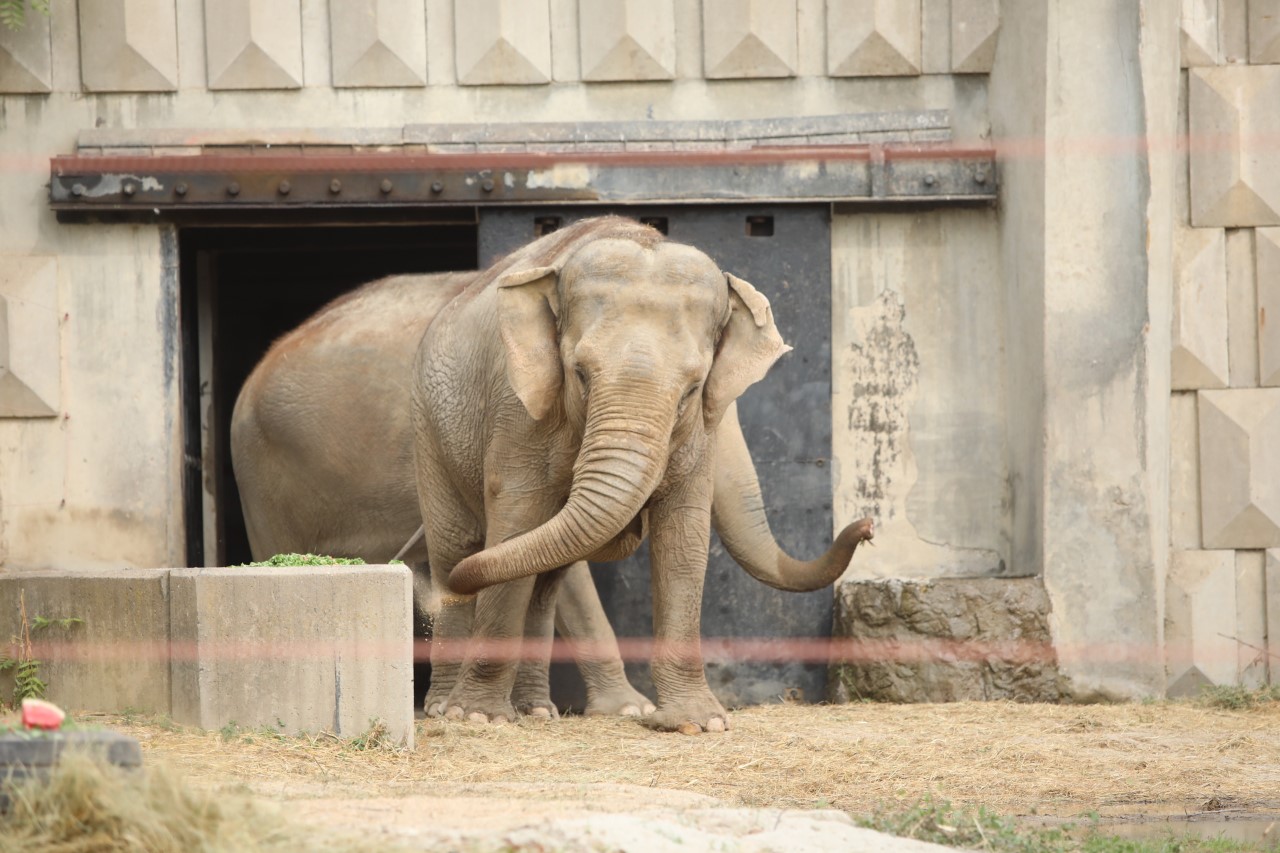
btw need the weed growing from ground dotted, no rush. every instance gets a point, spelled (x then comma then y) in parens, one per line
(1233, 698)
(937, 821)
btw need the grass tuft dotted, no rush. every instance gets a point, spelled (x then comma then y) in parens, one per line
(1233, 698)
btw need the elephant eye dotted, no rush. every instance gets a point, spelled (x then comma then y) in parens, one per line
(582, 378)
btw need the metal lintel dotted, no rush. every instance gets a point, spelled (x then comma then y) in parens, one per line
(271, 181)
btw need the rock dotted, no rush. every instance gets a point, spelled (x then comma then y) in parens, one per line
(944, 640)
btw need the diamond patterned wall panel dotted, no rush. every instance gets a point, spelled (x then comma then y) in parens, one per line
(128, 45)
(1200, 309)
(873, 38)
(1200, 614)
(1242, 308)
(502, 41)
(1271, 584)
(1251, 619)
(1234, 112)
(1184, 472)
(1199, 33)
(749, 38)
(378, 43)
(1264, 31)
(627, 39)
(1267, 247)
(253, 44)
(26, 63)
(30, 351)
(1240, 468)
(975, 27)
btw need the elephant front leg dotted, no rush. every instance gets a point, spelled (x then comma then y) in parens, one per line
(483, 690)
(679, 539)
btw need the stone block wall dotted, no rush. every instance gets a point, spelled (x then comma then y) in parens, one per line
(1221, 623)
(166, 45)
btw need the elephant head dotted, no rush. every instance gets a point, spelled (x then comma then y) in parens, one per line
(635, 347)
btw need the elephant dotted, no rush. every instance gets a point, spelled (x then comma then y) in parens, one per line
(576, 397)
(322, 450)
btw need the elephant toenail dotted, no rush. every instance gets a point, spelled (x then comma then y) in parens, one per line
(454, 713)
(715, 724)
(630, 711)
(540, 712)
(689, 728)
(477, 717)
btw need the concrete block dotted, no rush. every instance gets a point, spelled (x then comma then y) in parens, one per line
(1199, 351)
(253, 44)
(26, 58)
(128, 45)
(975, 28)
(1240, 468)
(314, 648)
(1267, 284)
(1199, 33)
(1271, 584)
(502, 41)
(944, 641)
(1184, 473)
(1200, 618)
(378, 43)
(1250, 634)
(1242, 308)
(873, 38)
(627, 39)
(749, 38)
(30, 337)
(116, 658)
(1234, 182)
(1264, 31)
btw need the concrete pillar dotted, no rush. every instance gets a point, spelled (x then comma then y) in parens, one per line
(1087, 230)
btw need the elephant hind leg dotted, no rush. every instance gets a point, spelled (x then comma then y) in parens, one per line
(531, 694)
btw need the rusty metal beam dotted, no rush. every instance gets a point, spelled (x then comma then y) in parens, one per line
(936, 174)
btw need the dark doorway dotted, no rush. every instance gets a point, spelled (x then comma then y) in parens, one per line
(242, 288)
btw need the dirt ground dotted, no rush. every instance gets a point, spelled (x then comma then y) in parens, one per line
(1117, 760)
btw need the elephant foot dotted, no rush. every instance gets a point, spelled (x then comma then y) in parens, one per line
(689, 717)
(531, 695)
(480, 712)
(621, 701)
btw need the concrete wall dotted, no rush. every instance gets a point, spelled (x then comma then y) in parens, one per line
(1074, 386)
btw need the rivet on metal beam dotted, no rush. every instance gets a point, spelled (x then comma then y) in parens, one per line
(487, 185)
(129, 188)
(77, 190)
(437, 187)
(284, 188)
(233, 188)
(335, 186)
(180, 188)
(385, 186)
(930, 180)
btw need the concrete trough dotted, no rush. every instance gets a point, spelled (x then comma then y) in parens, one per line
(326, 648)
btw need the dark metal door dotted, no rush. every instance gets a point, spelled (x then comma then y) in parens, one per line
(785, 251)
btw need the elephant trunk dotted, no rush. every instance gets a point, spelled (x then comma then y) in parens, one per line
(737, 513)
(621, 461)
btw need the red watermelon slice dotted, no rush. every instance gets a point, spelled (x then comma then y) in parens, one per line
(39, 714)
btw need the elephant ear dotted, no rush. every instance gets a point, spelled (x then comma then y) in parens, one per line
(749, 345)
(527, 323)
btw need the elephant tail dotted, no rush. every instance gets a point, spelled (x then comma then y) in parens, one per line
(737, 512)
